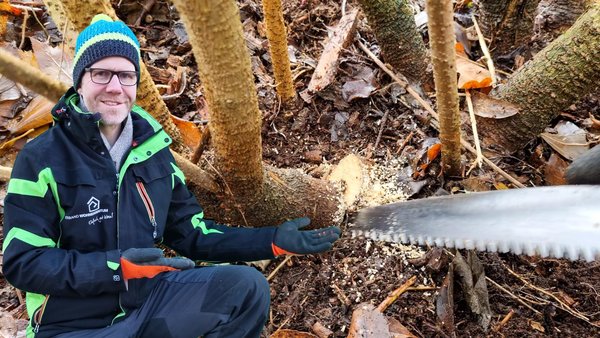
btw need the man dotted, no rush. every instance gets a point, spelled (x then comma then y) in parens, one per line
(89, 199)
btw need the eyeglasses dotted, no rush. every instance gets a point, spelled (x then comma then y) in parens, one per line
(104, 76)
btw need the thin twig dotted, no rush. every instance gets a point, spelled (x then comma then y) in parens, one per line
(479, 156)
(504, 320)
(562, 306)
(24, 28)
(405, 142)
(274, 272)
(422, 288)
(518, 299)
(486, 52)
(427, 107)
(33, 10)
(383, 119)
(395, 294)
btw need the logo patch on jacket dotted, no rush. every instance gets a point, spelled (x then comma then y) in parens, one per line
(95, 212)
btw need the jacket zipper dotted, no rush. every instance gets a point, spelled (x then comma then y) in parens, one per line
(149, 206)
(37, 316)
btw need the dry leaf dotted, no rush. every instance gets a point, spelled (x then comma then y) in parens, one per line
(569, 141)
(444, 303)
(35, 115)
(398, 330)
(471, 75)
(54, 61)
(472, 278)
(536, 326)
(189, 131)
(554, 170)
(489, 107)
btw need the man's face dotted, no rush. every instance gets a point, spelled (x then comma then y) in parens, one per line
(112, 100)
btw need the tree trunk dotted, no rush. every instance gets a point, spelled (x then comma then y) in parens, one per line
(65, 26)
(442, 41)
(277, 36)
(394, 26)
(254, 196)
(563, 72)
(553, 18)
(81, 13)
(508, 23)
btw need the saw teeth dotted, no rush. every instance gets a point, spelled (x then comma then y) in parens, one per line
(404, 238)
(429, 241)
(491, 247)
(459, 244)
(530, 249)
(480, 245)
(544, 251)
(588, 255)
(516, 248)
(572, 253)
(503, 247)
(469, 245)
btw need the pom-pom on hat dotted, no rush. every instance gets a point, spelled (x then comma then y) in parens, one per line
(104, 37)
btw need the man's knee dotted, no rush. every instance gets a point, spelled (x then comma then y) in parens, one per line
(243, 283)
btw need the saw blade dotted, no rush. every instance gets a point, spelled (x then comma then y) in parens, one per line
(559, 221)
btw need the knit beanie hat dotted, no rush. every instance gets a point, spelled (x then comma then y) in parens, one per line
(103, 38)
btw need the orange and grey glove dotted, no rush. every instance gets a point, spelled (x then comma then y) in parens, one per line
(149, 262)
(289, 239)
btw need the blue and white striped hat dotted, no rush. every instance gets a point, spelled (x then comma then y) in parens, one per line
(103, 38)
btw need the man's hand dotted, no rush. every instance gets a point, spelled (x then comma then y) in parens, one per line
(290, 240)
(149, 262)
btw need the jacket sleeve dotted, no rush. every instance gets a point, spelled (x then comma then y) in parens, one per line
(32, 258)
(192, 235)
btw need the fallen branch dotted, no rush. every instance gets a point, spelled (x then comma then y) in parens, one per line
(395, 294)
(22, 72)
(479, 156)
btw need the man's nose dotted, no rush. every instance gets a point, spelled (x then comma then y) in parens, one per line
(114, 86)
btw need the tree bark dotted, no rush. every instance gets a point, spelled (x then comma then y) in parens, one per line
(253, 196)
(563, 72)
(442, 41)
(394, 26)
(553, 18)
(277, 36)
(63, 23)
(508, 23)
(81, 13)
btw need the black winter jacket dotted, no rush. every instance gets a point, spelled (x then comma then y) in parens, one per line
(69, 215)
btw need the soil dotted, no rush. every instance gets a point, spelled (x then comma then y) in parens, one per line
(528, 296)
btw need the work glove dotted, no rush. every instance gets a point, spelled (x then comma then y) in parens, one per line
(289, 239)
(149, 262)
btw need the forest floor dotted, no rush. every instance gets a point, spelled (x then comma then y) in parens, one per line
(528, 296)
